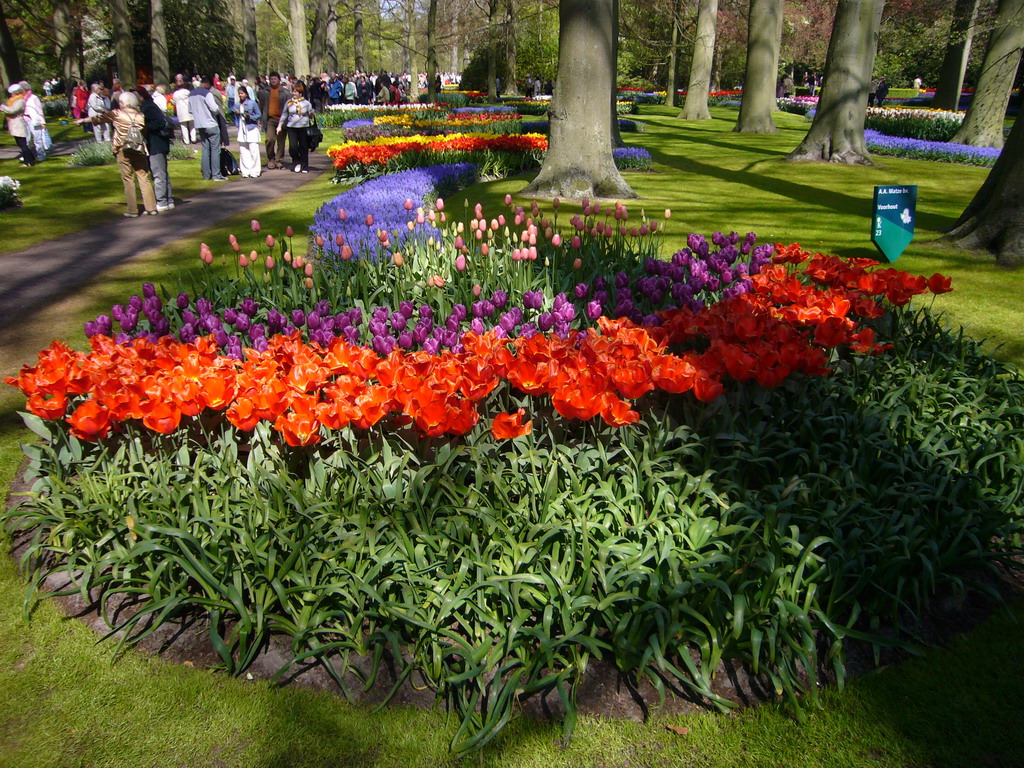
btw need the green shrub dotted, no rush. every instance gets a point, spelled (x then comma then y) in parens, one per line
(181, 151)
(92, 153)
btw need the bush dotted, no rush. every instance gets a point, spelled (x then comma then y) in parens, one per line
(92, 153)
(181, 151)
(55, 106)
(9, 192)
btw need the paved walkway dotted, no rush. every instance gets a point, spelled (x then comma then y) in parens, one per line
(58, 148)
(45, 272)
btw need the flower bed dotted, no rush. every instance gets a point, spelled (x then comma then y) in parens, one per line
(924, 124)
(797, 105)
(10, 195)
(496, 155)
(941, 151)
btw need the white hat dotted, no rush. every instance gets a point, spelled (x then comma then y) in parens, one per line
(14, 88)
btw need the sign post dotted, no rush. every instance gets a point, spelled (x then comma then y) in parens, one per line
(892, 224)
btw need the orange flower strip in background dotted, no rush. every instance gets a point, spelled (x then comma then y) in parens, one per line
(379, 151)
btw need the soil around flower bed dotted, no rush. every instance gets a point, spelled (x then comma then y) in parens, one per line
(603, 691)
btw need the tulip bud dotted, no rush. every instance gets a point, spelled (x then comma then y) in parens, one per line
(485, 249)
(459, 242)
(668, 213)
(501, 219)
(309, 283)
(408, 203)
(460, 263)
(288, 231)
(439, 204)
(369, 219)
(397, 259)
(309, 270)
(270, 241)
(255, 225)
(342, 214)
(269, 263)
(299, 262)
(340, 240)
(508, 199)
(346, 252)
(577, 263)
(556, 240)
(319, 241)
(288, 256)
(477, 290)
(444, 218)
(555, 203)
(575, 243)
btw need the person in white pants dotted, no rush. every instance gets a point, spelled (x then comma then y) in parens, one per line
(248, 135)
(98, 104)
(184, 114)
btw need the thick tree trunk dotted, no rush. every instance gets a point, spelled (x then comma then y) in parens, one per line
(696, 105)
(958, 49)
(318, 42)
(616, 136)
(983, 126)
(297, 32)
(511, 87)
(158, 40)
(994, 220)
(432, 51)
(331, 57)
(410, 25)
(64, 35)
(250, 51)
(671, 95)
(358, 40)
(579, 160)
(10, 62)
(837, 133)
(124, 48)
(492, 50)
(764, 39)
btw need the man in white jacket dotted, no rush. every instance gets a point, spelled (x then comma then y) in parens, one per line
(182, 111)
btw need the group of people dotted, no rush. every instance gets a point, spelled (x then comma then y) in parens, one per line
(26, 123)
(877, 92)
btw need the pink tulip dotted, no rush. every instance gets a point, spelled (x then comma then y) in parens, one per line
(643, 230)
(299, 262)
(253, 256)
(287, 257)
(508, 199)
(420, 218)
(309, 270)
(255, 225)
(586, 210)
(460, 263)
(494, 225)
(439, 205)
(339, 240)
(575, 242)
(459, 242)
(269, 263)
(556, 240)
(343, 214)
(346, 253)
(236, 247)
(396, 259)
(270, 241)
(444, 218)
(577, 264)
(622, 230)
(408, 203)
(653, 226)
(555, 203)
(319, 241)
(477, 290)
(501, 220)
(309, 283)
(485, 249)
(369, 219)
(516, 253)
(243, 262)
(668, 213)
(431, 216)
(288, 231)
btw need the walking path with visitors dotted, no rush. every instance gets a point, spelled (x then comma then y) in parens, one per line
(38, 274)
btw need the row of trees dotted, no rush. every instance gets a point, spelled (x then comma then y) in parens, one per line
(579, 160)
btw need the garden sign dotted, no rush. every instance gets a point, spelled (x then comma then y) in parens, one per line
(892, 227)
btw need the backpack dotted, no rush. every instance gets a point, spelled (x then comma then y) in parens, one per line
(134, 141)
(228, 164)
(166, 129)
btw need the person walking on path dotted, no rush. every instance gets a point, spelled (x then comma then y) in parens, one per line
(272, 102)
(204, 108)
(129, 146)
(158, 140)
(296, 117)
(35, 122)
(79, 100)
(248, 114)
(180, 98)
(16, 125)
(98, 105)
(232, 95)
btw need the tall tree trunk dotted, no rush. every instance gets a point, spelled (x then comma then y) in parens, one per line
(511, 86)
(318, 43)
(64, 35)
(432, 51)
(358, 42)
(158, 40)
(331, 56)
(249, 46)
(123, 45)
(764, 38)
(297, 32)
(672, 96)
(958, 49)
(492, 50)
(696, 105)
(994, 220)
(616, 135)
(10, 62)
(579, 160)
(410, 25)
(983, 126)
(837, 133)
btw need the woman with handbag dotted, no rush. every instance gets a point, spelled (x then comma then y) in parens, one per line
(249, 115)
(296, 119)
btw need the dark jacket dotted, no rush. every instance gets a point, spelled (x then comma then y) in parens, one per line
(155, 120)
(284, 93)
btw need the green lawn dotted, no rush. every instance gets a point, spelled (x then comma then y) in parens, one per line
(67, 705)
(59, 200)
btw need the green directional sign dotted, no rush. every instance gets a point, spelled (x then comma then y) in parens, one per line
(892, 226)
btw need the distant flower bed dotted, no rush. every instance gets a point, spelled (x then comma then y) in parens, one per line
(543, 126)
(497, 155)
(925, 124)
(797, 105)
(941, 151)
